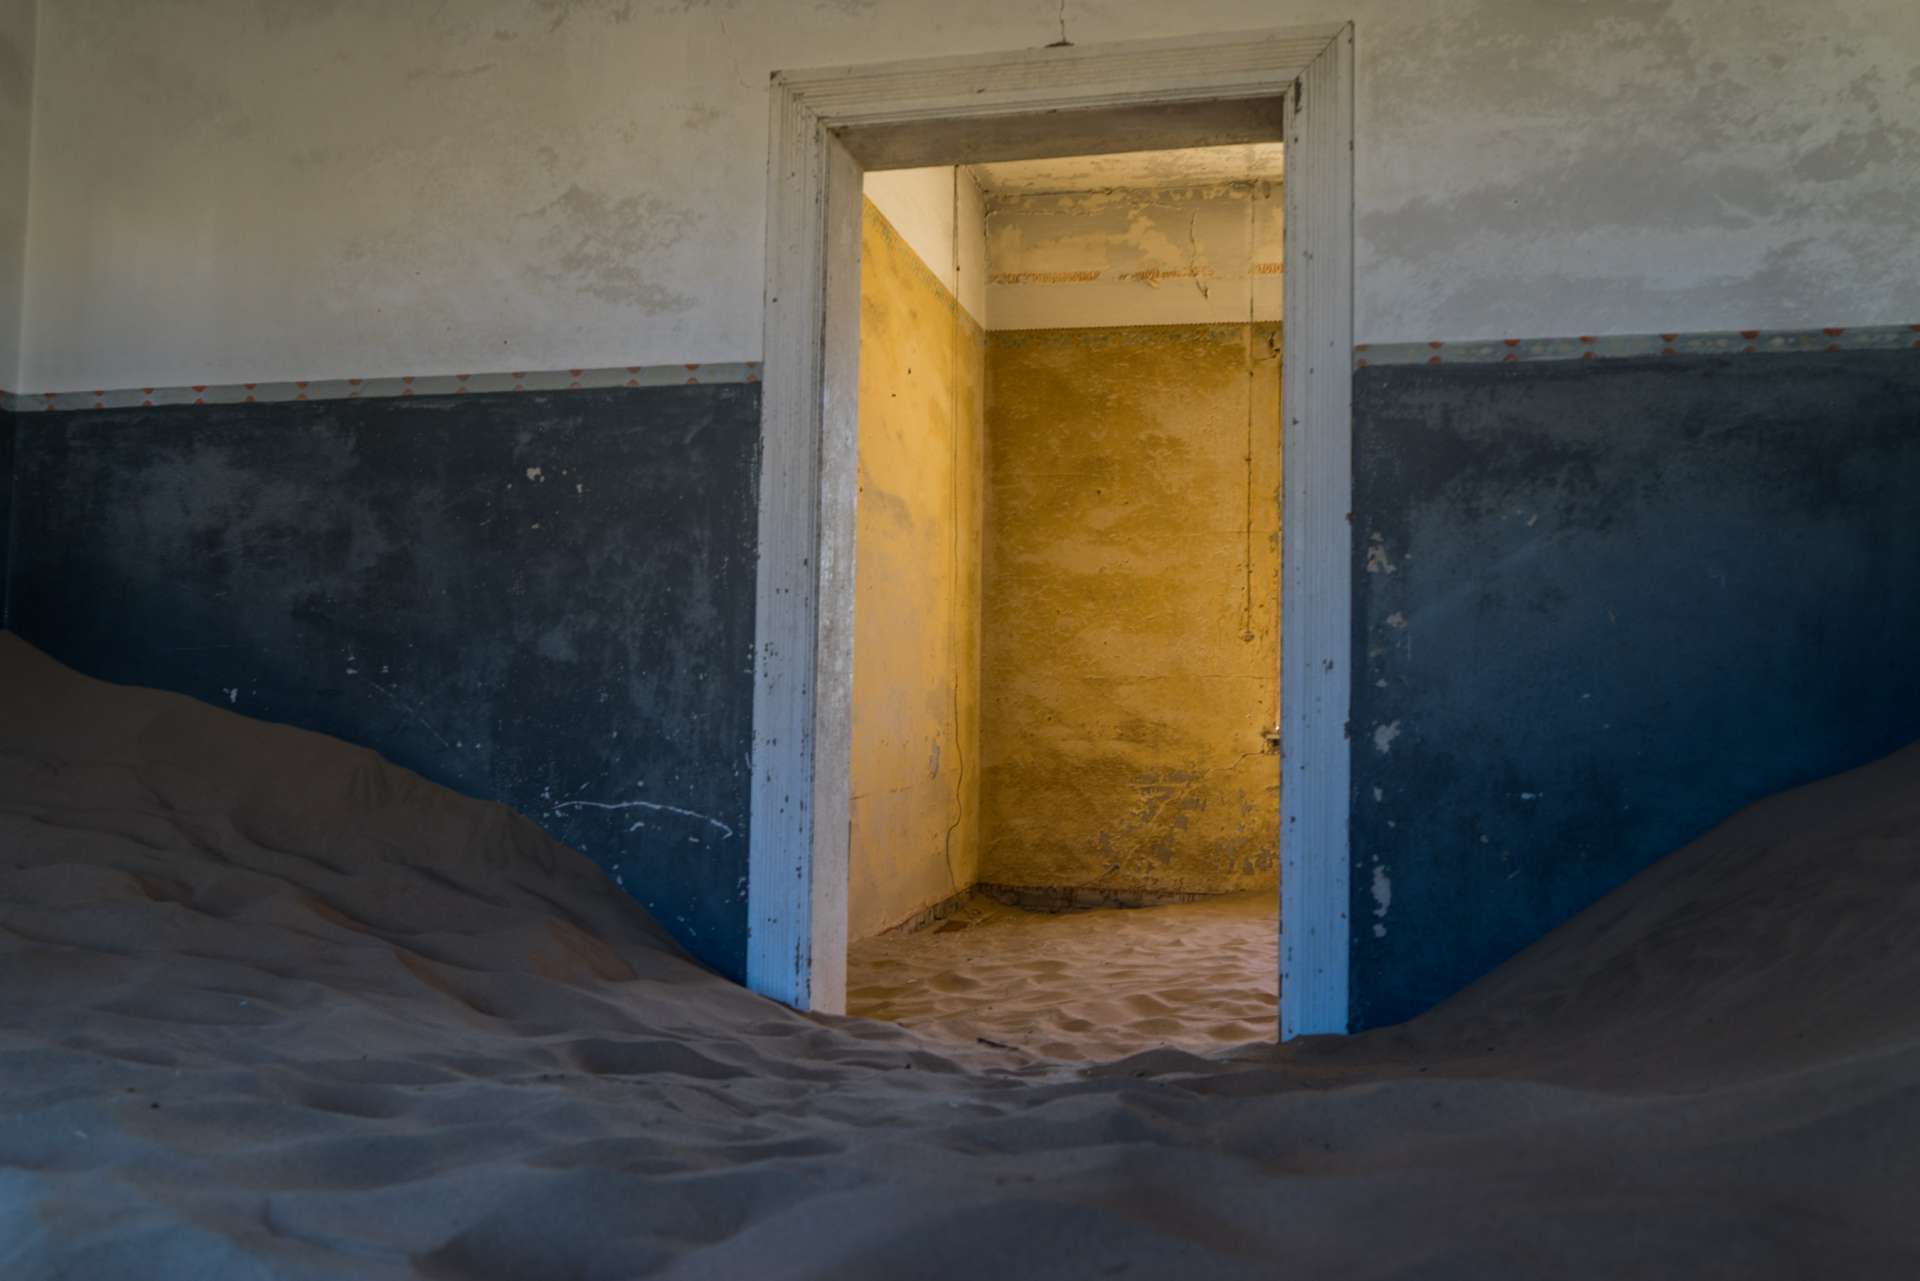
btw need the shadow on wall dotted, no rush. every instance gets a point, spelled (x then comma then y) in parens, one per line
(916, 678)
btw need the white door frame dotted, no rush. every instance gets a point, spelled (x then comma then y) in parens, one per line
(828, 127)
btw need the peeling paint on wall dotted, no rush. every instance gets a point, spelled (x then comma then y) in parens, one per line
(304, 186)
(1181, 255)
(1382, 888)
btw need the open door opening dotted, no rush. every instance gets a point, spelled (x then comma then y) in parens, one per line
(1064, 776)
(972, 764)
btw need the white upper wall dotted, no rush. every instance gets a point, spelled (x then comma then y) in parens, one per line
(1175, 256)
(241, 190)
(940, 214)
(16, 142)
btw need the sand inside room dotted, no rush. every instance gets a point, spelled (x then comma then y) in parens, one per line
(724, 640)
(1064, 788)
(279, 1007)
(1097, 983)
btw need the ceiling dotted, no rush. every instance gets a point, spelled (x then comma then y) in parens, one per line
(1188, 167)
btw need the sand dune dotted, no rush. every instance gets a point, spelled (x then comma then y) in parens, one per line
(271, 1007)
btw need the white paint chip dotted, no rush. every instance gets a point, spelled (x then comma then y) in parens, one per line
(1383, 736)
(1382, 895)
(534, 473)
(647, 805)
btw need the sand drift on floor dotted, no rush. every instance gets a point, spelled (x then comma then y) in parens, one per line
(272, 1007)
(1086, 985)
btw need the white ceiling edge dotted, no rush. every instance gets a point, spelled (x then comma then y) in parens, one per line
(1186, 167)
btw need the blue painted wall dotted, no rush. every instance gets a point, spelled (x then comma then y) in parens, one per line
(1599, 607)
(6, 509)
(542, 599)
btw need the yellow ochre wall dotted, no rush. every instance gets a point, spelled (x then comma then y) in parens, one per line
(916, 637)
(1131, 609)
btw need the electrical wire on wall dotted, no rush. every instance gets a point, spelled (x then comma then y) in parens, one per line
(1246, 614)
(1261, 192)
(953, 546)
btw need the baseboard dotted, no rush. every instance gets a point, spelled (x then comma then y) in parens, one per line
(1043, 898)
(1079, 898)
(930, 915)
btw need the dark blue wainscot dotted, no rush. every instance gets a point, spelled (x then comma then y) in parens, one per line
(1599, 607)
(544, 599)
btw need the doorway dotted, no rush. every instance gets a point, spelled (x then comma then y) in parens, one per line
(1066, 601)
(831, 127)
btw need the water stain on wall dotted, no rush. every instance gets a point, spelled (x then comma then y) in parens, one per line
(15, 75)
(1783, 179)
(602, 245)
(560, 12)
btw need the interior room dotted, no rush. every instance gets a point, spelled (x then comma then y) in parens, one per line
(555, 728)
(1064, 771)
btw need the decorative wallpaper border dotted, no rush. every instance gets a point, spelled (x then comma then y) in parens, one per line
(746, 371)
(1475, 351)
(1729, 342)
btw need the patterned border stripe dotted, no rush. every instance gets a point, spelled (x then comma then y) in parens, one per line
(1601, 347)
(371, 388)
(1474, 351)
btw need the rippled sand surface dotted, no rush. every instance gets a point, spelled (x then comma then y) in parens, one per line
(271, 1007)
